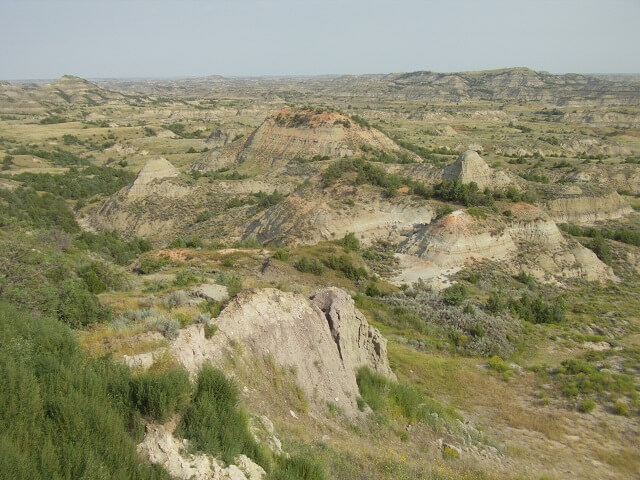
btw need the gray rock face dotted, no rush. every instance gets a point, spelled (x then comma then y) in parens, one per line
(325, 338)
(358, 343)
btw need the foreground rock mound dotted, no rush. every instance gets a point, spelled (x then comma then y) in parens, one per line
(325, 338)
(471, 167)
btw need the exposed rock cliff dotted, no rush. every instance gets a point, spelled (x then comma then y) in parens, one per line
(579, 205)
(325, 338)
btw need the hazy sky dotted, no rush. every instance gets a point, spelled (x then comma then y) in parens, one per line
(164, 38)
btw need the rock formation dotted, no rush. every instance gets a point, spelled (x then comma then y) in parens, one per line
(471, 167)
(306, 133)
(307, 218)
(162, 448)
(153, 171)
(325, 338)
(528, 241)
(584, 206)
(147, 207)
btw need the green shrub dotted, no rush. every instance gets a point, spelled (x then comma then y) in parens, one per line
(101, 277)
(210, 330)
(167, 326)
(350, 242)
(161, 395)
(35, 210)
(600, 247)
(534, 309)
(152, 264)
(215, 423)
(587, 405)
(281, 254)
(344, 264)
(309, 265)
(78, 184)
(455, 294)
(386, 396)
(57, 157)
(621, 408)
(112, 247)
(232, 281)
(78, 307)
(185, 277)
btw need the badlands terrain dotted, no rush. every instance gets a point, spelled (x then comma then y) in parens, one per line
(413, 275)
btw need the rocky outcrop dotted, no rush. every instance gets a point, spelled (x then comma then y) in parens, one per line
(161, 448)
(358, 343)
(457, 239)
(306, 219)
(620, 177)
(574, 205)
(325, 339)
(148, 180)
(155, 205)
(529, 241)
(471, 167)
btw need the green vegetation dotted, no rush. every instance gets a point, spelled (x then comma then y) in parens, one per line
(152, 264)
(62, 415)
(310, 265)
(534, 309)
(426, 153)
(57, 157)
(266, 200)
(400, 400)
(112, 247)
(344, 264)
(26, 207)
(587, 405)
(215, 424)
(221, 174)
(297, 467)
(455, 294)
(534, 177)
(181, 130)
(625, 236)
(350, 242)
(78, 184)
(53, 119)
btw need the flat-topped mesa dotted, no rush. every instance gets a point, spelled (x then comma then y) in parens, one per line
(471, 167)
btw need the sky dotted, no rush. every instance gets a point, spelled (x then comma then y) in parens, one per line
(44, 39)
